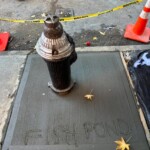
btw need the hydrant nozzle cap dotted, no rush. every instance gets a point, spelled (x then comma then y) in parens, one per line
(51, 21)
(53, 28)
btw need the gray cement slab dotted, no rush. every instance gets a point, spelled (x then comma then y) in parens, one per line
(44, 120)
(10, 69)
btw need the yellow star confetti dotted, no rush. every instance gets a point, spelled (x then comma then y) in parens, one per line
(122, 145)
(95, 38)
(33, 16)
(43, 15)
(89, 96)
(102, 33)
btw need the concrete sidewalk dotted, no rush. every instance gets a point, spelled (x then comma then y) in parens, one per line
(11, 67)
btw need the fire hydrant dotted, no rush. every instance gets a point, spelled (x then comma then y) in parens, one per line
(57, 48)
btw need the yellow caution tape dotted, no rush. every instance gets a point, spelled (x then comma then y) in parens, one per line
(66, 19)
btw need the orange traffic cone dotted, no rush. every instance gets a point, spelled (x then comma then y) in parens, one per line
(4, 37)
(139, 31)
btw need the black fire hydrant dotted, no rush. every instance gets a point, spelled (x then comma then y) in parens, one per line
(57, 48)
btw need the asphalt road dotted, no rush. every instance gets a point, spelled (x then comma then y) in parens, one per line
(107, 28)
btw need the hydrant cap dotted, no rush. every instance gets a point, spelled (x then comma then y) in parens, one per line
(53, 28)
(51, 20)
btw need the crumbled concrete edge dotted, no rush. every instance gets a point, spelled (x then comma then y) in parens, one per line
(141, 114)
(11, 97)
(6, 117)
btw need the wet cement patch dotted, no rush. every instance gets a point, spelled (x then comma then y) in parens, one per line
(46, 120)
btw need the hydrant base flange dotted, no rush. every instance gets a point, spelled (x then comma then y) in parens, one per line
(63, 90)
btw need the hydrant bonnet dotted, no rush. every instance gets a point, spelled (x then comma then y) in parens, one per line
(53, 43)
